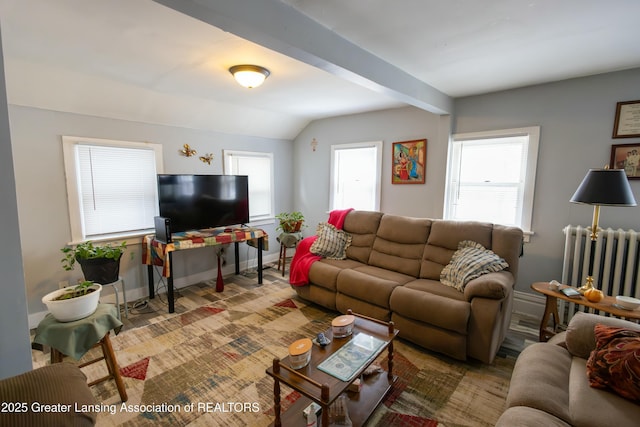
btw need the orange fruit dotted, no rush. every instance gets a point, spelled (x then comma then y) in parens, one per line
(594, 295)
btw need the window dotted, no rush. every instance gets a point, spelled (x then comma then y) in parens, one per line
(111, 187)
(491, 176)
(259, 168)
(355, 176)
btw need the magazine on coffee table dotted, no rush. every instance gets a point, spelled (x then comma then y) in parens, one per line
(345, 363)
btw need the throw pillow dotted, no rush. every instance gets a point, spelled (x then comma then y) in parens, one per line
(615, 363)
(471, 260)
(331, 243)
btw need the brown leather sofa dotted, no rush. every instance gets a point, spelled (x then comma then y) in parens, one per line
(392, 272)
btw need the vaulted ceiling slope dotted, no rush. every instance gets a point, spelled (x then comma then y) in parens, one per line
(166, 61)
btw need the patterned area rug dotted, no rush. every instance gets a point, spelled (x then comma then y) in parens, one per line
(205, 364)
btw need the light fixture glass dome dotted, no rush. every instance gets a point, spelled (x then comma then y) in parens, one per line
(249, 76)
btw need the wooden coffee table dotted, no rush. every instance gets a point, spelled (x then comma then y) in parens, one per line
(322, 388)
(551, 308)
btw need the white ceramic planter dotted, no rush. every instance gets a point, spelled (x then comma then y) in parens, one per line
(74, 308)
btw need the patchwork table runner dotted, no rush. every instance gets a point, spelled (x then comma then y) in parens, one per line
(157, 253)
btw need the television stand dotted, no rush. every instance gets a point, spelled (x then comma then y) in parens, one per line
(158, 253)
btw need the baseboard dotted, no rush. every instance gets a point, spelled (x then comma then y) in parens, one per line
(528, 304)
(142, 292)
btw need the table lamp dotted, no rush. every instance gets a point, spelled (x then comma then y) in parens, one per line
(602, 187)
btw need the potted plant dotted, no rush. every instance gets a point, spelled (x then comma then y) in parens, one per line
(290, 222)
(99, 263)
(73, 302)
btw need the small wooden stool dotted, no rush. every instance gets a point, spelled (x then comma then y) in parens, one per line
(110, 359)
(75, 339)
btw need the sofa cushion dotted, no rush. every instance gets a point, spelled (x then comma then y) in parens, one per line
(523, 416)
(615, 363)
(540, 380)
(331, 242)
(324, 272)
(399, 244)
(580, 338)
(371, 284)
(595, 407)
(443, 241)
(434, 287)
(470, 261)
(362, 225)
(444, 312)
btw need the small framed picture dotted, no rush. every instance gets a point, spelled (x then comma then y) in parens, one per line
(627, 121)
(409, 162)
(627, 157)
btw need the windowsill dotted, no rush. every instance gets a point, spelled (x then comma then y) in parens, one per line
(133, 238)
(526, 236)
(265, 221)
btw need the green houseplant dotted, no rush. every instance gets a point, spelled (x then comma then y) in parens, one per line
(99, 263)
(290, 222)
(74, 302)
(81, 289)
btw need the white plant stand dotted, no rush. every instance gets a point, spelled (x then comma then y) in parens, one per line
(124, 295)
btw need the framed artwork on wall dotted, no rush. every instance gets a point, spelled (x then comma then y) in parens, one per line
(409, 162)
(627, 121)
(627, 157)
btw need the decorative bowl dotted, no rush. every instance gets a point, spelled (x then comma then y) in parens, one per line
(554, 285)
(628, 303)
(71, 309)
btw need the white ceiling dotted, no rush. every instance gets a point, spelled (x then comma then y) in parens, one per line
(143, 61)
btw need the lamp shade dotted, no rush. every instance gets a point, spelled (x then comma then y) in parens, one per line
(249, 76)
(607, 187)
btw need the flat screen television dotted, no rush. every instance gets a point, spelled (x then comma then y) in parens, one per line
(193, 202)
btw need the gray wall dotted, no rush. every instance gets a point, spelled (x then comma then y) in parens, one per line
(42, 200)
(576, 119)
(311, 190)
(15, 351)
(576, 123)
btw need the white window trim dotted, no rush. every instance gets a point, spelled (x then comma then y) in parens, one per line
(530, 175)
(227, 170)
(332, 183)
(73, 186)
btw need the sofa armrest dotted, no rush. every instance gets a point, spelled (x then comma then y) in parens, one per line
(580, 337)
(62, 385)
(492, 285)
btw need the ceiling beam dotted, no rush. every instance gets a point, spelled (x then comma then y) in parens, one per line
(282, 28)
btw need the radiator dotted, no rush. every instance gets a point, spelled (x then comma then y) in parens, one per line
(616, 265)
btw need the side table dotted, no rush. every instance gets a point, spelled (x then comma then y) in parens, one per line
(76, 338)
(551, 308)
(287, 241)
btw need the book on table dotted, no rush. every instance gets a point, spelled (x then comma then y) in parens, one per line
(345, 363)
(571, 292)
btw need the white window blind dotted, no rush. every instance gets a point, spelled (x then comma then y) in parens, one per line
(112, 187)
(259, 168)
(355, 176)
(491, 177)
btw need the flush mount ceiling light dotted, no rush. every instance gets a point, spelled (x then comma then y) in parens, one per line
(249, 76)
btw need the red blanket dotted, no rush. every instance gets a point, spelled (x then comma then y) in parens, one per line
(303, 258)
